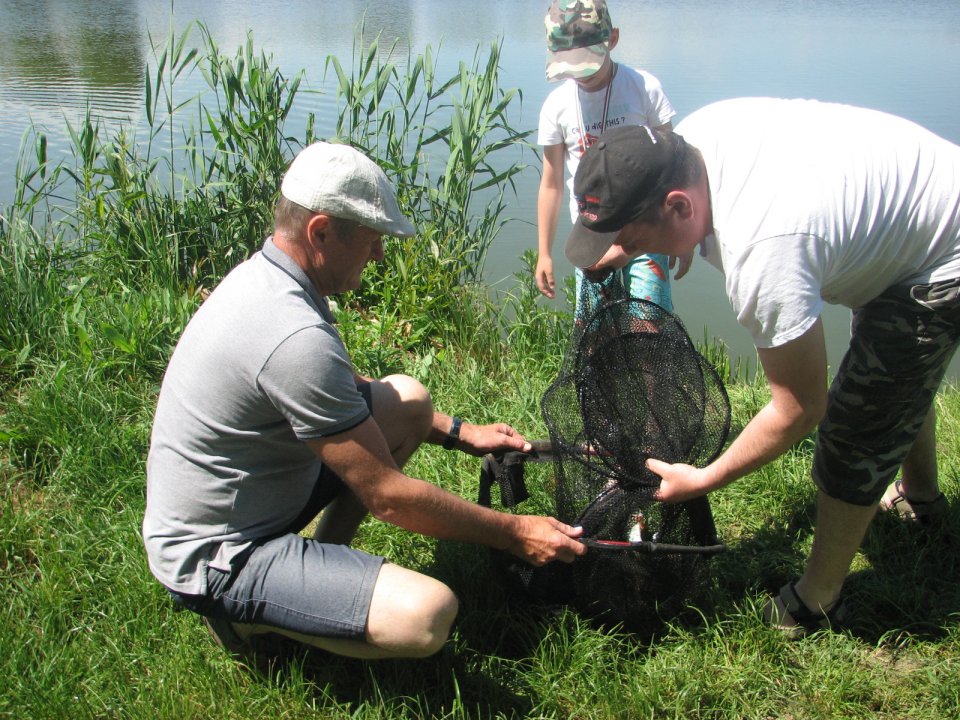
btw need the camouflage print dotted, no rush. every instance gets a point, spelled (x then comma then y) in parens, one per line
(577, 24)
(901, 345)
(576, 33)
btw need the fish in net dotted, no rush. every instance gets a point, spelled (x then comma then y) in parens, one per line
(632, 386)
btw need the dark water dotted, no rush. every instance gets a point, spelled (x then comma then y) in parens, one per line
(57, 57)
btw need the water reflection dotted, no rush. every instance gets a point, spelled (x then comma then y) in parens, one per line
(95, 44)
(58, 56)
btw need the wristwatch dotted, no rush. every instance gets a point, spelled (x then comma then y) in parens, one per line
(453, 434)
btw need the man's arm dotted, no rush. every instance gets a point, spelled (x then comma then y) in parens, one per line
(361, 458)
(549, 200)
(473, 439)
(796, 373)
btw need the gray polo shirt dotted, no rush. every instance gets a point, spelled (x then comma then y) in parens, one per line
(259, 369)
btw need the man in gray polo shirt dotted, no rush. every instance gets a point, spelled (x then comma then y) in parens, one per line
(262, 422)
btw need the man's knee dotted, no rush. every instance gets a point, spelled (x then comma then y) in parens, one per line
(410, 614)
(408, 391)
(401, 404)
(438, 613)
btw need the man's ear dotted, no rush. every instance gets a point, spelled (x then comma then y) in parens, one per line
(317, 228)
(679, 202)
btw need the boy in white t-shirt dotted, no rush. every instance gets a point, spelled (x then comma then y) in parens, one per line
(597, 93)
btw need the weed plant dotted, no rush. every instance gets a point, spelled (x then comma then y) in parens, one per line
(104, 258)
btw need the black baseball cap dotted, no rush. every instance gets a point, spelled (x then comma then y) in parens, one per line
(621, 176)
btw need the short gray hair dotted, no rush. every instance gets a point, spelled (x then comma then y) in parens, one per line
(289, 217)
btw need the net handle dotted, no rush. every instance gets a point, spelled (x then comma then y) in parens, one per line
(651, 547)
(507, 471)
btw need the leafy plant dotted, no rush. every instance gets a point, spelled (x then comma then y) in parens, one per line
(104, 257)
(438, 140)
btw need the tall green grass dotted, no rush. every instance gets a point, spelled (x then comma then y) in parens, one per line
(104, 257)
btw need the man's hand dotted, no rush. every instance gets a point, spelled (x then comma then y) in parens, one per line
(482, 439)
(543, 539)
(679, 482)
(543, 275)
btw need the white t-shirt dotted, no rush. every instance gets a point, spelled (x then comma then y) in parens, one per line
(635, 98)
(818, 202)
(259, 369)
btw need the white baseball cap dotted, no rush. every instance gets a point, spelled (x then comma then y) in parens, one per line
(339, 180)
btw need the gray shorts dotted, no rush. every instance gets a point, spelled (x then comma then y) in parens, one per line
(293, 582)
(901, 345)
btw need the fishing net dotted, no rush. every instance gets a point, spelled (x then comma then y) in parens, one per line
(632, 386)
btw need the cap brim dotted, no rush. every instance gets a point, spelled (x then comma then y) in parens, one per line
(575, 63)
(401, 228)
(585, 247)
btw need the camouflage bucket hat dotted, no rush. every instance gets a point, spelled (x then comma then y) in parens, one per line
(577, 32)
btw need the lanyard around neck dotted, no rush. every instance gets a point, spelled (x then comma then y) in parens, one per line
(606, 105)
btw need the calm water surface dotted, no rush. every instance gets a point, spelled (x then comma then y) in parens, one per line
(57, 57)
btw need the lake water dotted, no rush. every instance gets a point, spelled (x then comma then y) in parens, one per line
(59, 56)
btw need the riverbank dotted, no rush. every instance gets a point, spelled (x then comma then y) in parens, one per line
(96, 287)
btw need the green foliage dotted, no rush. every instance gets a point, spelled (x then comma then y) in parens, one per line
(438, 141)
(96, 292)
(531, 329)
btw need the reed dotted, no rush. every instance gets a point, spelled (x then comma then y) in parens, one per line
(438, 140)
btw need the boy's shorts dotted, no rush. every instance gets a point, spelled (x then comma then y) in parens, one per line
(901, 345)
(293, 582)
(646, 277)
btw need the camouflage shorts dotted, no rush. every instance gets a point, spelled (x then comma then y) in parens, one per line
(901, 345)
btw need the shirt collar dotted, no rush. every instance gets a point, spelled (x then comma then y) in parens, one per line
(278, 257)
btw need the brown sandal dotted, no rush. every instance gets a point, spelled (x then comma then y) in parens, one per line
(913, 511)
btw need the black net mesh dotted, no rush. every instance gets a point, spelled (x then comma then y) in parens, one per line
(632, 386)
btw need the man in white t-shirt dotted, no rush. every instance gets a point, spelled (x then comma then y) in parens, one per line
(262, 423)
(808, 203)
(595, 94)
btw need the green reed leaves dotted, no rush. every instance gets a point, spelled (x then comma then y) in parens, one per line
(107, 252)
(438, 140)
(105, 255)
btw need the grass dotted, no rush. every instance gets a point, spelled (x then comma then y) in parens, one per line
(95, 292)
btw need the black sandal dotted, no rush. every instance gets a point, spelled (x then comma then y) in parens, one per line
(788, 613)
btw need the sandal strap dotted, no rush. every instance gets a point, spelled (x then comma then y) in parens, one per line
(802, 614)
(914, 509)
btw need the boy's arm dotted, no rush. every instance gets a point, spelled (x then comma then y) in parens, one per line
(549, 200)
